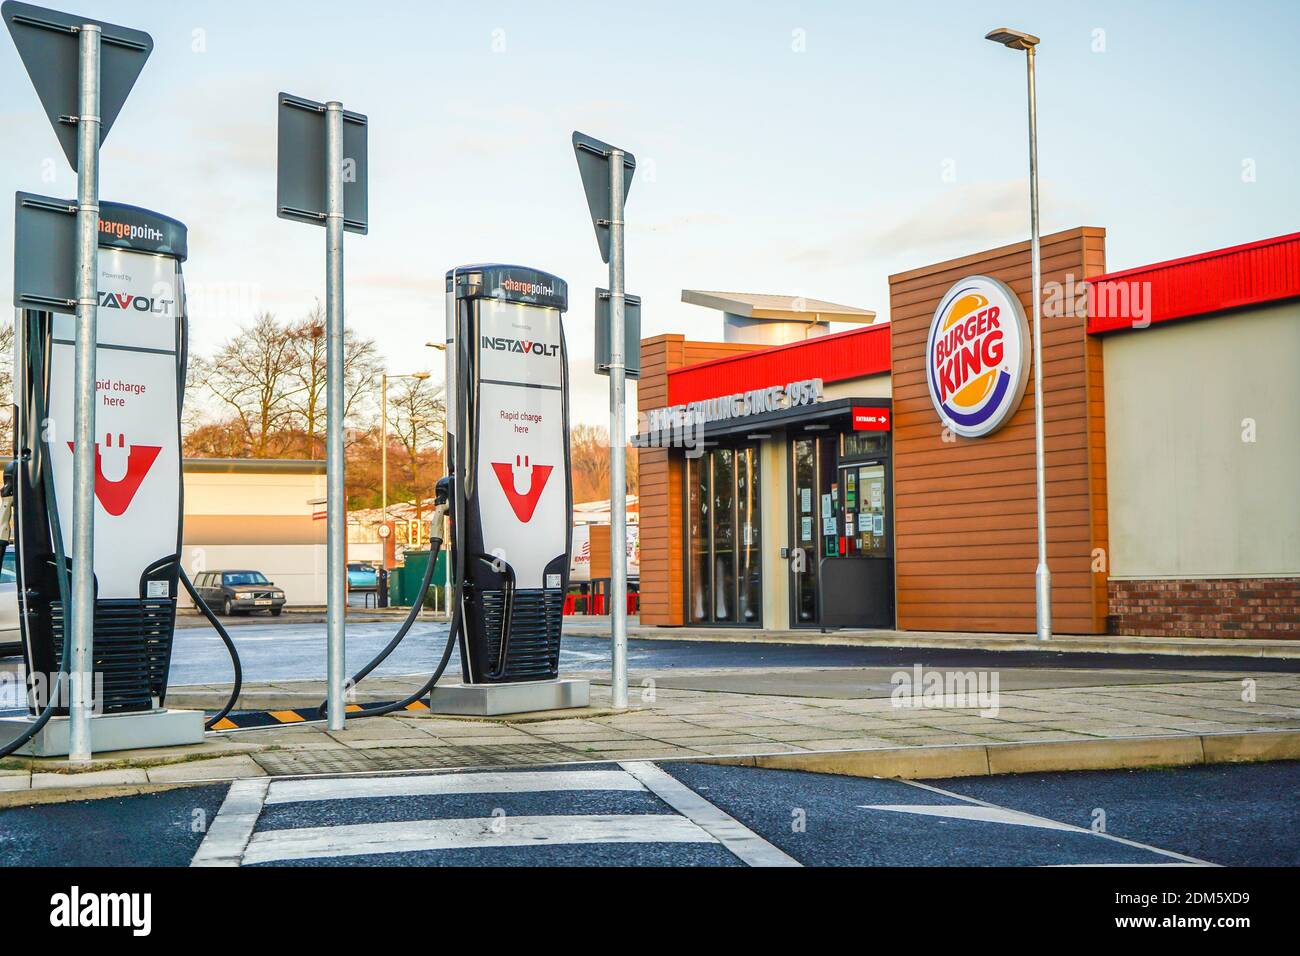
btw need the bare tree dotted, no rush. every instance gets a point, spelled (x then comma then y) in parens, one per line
(361, 366)
(415, 415)
(589, 462)
(254, 378)
(7, 360)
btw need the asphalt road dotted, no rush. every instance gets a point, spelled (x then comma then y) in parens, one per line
(288, 651)
(628, 815)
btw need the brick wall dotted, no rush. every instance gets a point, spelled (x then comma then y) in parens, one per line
(1221, 607)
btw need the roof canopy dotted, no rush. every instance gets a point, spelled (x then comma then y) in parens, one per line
(786, 308)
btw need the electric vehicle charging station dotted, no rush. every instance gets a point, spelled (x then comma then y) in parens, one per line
(141, 360)
(511, 494)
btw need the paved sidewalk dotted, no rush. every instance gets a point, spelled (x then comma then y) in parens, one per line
(704, 715)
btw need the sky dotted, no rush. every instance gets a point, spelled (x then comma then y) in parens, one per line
(805, 149)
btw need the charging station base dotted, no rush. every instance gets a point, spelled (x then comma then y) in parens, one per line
(157, 728)
(495, 700)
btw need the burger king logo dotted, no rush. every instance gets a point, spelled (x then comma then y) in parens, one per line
(977, 358)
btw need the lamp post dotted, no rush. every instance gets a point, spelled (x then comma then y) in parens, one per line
(1016, 40)
(446, 564)
(383, 442)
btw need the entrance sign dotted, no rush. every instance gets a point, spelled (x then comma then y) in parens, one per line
(48, 42)
(871, 419)
(301, 177)
(508, 425)
(977, 356)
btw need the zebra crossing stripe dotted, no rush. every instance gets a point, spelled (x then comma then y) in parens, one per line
(231, 829)
(747, 845)
(271, 846)
(351, 788)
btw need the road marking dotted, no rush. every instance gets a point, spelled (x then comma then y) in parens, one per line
(966, 811)
(231, 829)
(751, 848)
(1105, 836)
(349, 788)
(305, 843)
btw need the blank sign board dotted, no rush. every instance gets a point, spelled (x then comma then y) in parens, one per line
(300, 180)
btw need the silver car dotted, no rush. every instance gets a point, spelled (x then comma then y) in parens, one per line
(10, 639)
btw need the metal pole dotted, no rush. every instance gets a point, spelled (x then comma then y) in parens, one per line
(1042, 576)
(383, 467)
(336, 579)
(82, 629)
(617, 441)
(383, 431)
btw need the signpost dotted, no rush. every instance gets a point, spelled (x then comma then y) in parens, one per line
(322, 179)
(83, 71)
(606, 175)
(631, 334)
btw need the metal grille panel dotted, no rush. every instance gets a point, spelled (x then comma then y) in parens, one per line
(534, 648)
(132, 651)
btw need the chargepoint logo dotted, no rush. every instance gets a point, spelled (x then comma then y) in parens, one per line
(526, 288)
(125, 230)
(101, 910)
(520, 346)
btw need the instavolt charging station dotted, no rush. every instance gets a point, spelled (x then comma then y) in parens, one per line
(100, 371)
(511, 493)
(97, 486)
(140, 371)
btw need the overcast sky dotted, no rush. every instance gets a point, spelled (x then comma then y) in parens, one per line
(798, 148)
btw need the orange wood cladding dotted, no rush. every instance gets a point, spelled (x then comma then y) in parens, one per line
(601, 561)
(965, 518)
(659, 480)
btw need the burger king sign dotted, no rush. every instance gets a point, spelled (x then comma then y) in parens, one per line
(977, 356)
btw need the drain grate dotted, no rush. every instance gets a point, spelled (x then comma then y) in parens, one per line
(279, 763)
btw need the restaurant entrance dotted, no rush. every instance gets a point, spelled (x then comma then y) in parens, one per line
(841, 560)
(724, 575)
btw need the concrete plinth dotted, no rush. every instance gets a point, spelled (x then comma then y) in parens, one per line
(493, 700)
(157, 728)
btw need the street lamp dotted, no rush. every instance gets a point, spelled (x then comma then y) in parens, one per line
(383, 443)
(1016, 40)
(446, 433)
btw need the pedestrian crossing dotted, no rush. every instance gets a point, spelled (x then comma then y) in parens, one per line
(627, 814)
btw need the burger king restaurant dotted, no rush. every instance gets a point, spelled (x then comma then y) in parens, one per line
(883, 475)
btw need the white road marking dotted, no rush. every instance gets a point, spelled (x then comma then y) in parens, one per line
(229, 832)
(349, 788)
(1105, 836)
(747, 845)
(305, 843)
(966, 811)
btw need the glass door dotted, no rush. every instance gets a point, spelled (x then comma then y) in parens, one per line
(815, 533)
(724, 567)
(804, 553)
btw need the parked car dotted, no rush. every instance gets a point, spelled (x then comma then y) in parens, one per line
(11, 643)
(362, 577)
(239, 592)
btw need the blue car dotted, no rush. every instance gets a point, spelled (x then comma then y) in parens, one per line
(362, 577)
